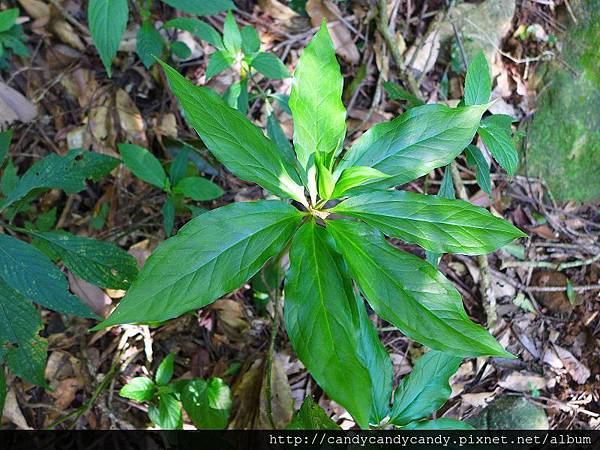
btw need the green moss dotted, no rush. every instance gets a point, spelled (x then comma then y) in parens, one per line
(511, 413)
(564, 139)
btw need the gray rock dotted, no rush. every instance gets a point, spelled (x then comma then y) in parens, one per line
(511, 413)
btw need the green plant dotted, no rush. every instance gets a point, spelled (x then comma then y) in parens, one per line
(108, 21)
(28, 273)
(207, 402)
(338, 253)
(11, 36)
(234, 47)
(178, 185)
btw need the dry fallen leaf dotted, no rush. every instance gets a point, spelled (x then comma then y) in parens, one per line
(65, 392)
(232, 321)
(131, 119)
(576, 369)
(250, 397)
(91, 295)
(14, 106)
(277, 10)
(35, 8)
(340, 34)
(522, 382)
(65, 32)
(12, 412)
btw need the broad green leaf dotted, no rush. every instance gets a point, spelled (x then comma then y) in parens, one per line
(395, 92)
(496, 134)
(330, 335)
(207, 403)
(316, 101)
(426, 389)
(8, 17)
(311, 416)
(277, 135)
(98, 262)
(180, 50)
(199, 28)
(436, 224)
(9, 179)
(234, 140)
(179, 167)
(167, 415)
(232, 38)
(270, 66)
(447, 186)
(326, 183)
(29, 272)
(410, 293)
(250, 40)
(5, 138)
(19, 327)
(149, 44)
(201, 7)
(68, 173)
(442, 423)
(482, 169)
(107, 20)
(478, 82)
(140, 389)
(143, 164)
(168, 212)
(211, 255)
(218, 62)
(355, 176)
(415, 143)
(236, 96)
(164, 373)
(198, 188)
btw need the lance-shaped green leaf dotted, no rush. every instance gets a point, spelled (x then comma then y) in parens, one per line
(201, 29)
(270, 66)
(198, 188)
(250, 40)
(355, 176)
(311, 416)
(221, 250)
(482, 168)
(67, 172)
(167, 415)
(496, 134)
(29, 272)
(149, 44)
(107, 20)
(329, 333)
(410, 293)
(218, 62)
(316, 101)
(140, 389)
(426, 389)
(436, 224)
(100, 263)
(208, 403)
(415, 143)
(201, 7)
(19, 327)
(8, 18)
(442, 423)
(232, 38)
(164, 373)
(5, 138)
(234, 140)
(143, 164)
(478, 82)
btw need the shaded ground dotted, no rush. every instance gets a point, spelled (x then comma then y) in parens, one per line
(555, 333)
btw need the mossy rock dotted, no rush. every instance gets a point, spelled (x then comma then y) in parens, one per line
(564, 137)
(511, 413)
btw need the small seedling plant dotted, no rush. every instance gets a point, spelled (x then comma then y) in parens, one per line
(11, 37)
(29, 255)
(335, 210)
(207, 402)
(179, 185)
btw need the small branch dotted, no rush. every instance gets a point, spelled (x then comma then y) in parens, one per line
(69, 18)
(587, 287)
(383, 26)
(551, 265)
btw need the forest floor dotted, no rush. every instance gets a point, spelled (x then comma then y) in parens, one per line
(544, 289)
